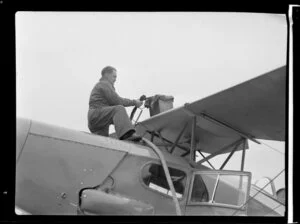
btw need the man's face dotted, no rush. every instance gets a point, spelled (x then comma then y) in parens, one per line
(112, 77)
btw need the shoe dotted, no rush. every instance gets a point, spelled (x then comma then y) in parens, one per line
(127, 134)
(134, 137)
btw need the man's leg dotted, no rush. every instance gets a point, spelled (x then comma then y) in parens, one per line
(100, 119)
(103, 131)
(122, 122)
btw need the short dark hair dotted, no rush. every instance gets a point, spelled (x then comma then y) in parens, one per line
(108, 69)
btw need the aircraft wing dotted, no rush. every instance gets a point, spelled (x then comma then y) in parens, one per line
(255, 108)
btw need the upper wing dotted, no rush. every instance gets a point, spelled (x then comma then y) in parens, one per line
(255, 108)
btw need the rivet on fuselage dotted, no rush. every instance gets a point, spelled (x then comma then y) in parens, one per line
(63, 195)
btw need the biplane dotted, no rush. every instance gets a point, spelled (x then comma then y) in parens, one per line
(60, 171)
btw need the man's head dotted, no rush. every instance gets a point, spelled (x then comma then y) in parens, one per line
(109, 73)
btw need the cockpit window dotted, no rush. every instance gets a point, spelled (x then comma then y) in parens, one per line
(229, 189)
(153, 176)
(203, 188)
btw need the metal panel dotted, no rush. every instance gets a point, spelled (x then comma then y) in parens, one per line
(100, 203)
(53, 131)
(50, 173)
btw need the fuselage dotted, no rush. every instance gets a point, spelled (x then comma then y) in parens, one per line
(65, 172)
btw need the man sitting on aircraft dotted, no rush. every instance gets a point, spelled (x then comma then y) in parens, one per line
(107, 107)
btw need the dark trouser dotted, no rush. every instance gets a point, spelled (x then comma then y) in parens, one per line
(99, 120)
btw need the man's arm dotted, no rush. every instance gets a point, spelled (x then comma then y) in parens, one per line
(114, 99)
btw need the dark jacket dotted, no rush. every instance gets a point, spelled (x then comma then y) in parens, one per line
(104, 94)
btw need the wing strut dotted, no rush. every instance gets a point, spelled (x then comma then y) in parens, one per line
(155, 134)
(193, 140)
(178, 138)
(163, 140)
(238, 142)
(229, 156)
(243, 155)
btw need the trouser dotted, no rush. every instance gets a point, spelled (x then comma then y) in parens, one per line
(99, 120)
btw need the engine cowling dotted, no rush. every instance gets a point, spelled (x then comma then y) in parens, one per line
(97, 202)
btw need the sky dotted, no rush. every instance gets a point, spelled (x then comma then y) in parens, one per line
(188, 55)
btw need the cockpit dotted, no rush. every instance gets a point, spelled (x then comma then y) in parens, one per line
(224, 188)
(153, 177)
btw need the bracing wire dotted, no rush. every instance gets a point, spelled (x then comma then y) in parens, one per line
(250, 198)
(273, 209)
(276, 150)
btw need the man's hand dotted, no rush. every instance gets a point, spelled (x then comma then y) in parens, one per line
(138, 103)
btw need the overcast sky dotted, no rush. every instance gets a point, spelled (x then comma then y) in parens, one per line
(187, 55)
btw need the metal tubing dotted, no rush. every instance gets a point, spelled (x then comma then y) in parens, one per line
(139, 116)
(193, 139)
(243, 155)
(185, 153)
(207, 160)
(178, 138)
(229, 156)
(167, 174)
(168, 141)
(220, 151)
(152, 136)
(163, 141)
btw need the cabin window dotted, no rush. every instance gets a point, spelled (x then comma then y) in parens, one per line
(203, 188)
(153, 176)
(229, 189)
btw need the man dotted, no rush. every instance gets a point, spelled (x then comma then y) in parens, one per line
(107, 107)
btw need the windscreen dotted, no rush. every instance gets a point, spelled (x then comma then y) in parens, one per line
(228, 189)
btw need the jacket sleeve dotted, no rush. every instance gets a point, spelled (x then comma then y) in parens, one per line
(114, 99)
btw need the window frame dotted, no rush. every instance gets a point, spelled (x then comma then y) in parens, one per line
(219, 173)
(186, 186)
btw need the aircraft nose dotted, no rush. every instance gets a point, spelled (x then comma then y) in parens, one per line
(23, 126)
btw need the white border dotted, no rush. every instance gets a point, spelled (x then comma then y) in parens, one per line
(290, 214)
